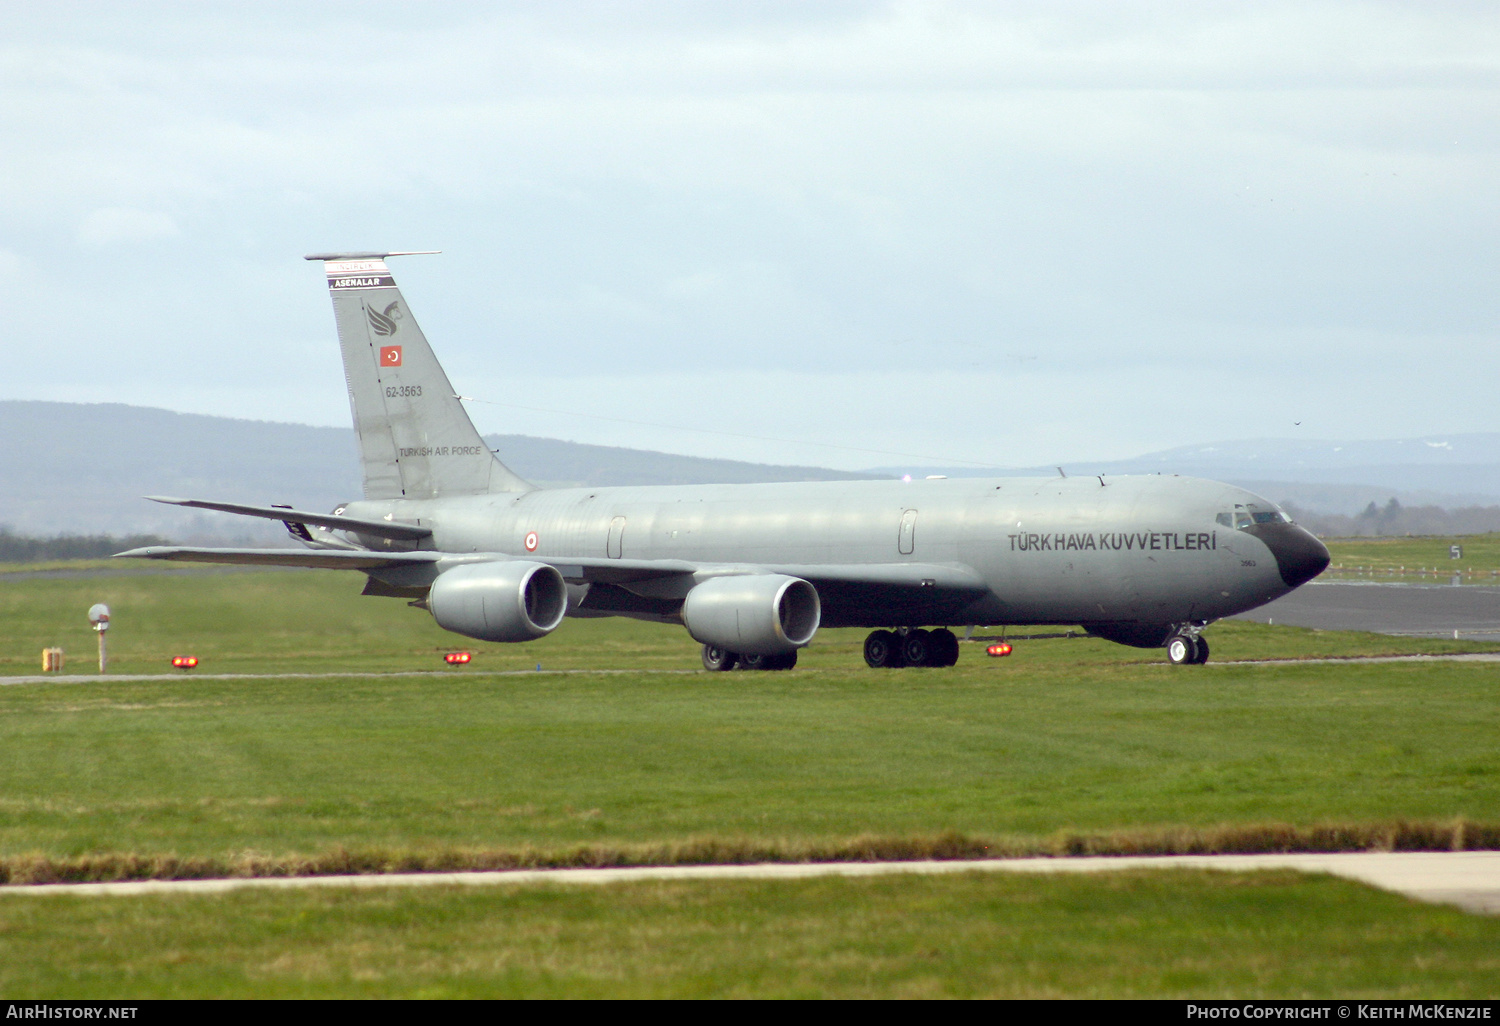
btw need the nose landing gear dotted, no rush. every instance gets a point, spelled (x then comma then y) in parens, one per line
(1187, 648)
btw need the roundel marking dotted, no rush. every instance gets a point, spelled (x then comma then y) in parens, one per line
(530, 541)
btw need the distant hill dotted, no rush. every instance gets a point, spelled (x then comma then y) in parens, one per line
(83, 467)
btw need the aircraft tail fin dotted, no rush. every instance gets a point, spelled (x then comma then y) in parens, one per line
(415, 437)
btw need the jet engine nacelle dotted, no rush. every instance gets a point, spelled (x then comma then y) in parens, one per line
(754, 614)
(499, 601)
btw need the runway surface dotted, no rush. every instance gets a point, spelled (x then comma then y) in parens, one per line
(1469, 879)
(1432, 610)
(131, 678)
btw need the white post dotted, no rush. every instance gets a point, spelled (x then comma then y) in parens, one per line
(99, 617)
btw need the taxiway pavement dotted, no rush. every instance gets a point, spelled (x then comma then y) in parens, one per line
(1435, 610)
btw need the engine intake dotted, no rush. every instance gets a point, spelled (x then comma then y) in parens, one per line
(499, 601)
(754, 614)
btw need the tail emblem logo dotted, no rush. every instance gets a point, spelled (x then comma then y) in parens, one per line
(384, 323)
(390, 356)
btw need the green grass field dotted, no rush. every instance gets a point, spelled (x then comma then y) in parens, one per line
(282, 767)
(1481, 555)
(316, 621)
(1148, 934)
(1067, 743)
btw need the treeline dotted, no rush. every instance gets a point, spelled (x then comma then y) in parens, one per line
(18, 548)
(1394, 520)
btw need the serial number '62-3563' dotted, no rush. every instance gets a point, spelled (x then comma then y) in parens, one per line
(397, 391)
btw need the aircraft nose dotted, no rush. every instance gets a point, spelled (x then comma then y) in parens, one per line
(1299, 556)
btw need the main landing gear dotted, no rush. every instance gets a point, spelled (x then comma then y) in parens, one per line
(716, 657)
(892, 649)
(1187, 648)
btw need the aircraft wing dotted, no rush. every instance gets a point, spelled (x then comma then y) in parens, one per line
(378, 528)
(599, 570)
(607, 571)
(945, 576)
(595, 570)
(327, 559)
(664, 577)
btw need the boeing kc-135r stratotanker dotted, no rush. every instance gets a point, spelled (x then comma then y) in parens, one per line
(753, 570)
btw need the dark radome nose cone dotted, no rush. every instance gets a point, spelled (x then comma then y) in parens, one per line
(1299, 556)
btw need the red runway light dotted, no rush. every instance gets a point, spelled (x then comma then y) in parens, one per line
(457, 658)
(1002, 649)
(184, 662)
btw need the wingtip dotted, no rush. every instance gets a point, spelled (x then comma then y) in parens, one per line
(170, 500)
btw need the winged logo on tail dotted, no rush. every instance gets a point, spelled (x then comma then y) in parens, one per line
(384, 322)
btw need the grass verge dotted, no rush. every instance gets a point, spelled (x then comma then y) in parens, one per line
(1144, 934)
(1481, 554)
(1237, 839)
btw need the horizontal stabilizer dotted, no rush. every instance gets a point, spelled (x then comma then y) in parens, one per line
(371, 256)
(331, 521)
(328, 559)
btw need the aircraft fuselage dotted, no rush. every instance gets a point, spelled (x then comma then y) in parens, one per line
(1150, 549)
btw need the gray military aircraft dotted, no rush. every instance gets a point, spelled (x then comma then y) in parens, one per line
(752, 571)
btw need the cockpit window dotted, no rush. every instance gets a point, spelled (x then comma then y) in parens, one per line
(1241, 519)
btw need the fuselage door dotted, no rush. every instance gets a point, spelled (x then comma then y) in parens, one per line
(906, 540)
(616, 546)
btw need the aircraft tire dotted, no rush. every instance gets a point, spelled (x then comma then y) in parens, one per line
(944, 647)
(1202, 654)
(881, 651)
(1182, 650)
(751, 661)
(917, 649)
(784, 661)
(717, 657)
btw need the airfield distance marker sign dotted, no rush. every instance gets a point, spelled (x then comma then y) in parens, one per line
(99, 617)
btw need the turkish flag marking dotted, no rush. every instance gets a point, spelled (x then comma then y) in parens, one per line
(390, 356)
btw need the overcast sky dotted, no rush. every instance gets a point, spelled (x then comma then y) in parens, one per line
(1002, 233)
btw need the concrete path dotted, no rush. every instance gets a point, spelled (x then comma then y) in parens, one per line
(1458, 657)
(1470, 880)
